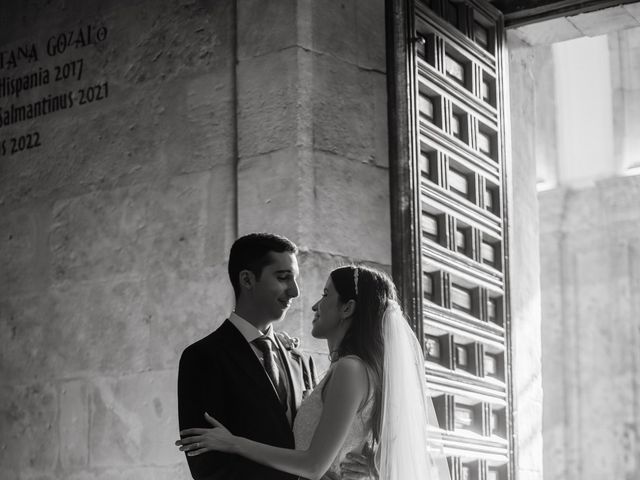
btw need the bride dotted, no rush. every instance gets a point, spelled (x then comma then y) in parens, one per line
(373, 394)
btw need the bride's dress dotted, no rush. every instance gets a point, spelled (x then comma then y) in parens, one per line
(308, 417)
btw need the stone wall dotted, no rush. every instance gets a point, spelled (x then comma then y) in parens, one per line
(590, 244)
(222, 118)
(113, 236)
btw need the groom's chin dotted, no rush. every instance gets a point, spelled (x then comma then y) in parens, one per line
(277, 318)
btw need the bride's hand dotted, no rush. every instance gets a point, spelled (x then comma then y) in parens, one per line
(196, 441)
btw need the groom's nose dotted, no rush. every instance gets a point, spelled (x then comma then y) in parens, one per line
(293, 291)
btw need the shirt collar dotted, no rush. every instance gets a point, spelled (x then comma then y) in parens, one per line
(248, 331)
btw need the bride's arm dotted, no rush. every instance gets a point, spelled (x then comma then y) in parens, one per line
(345, 391)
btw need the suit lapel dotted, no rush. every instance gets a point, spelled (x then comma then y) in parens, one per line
(242, 356)
(295, 376)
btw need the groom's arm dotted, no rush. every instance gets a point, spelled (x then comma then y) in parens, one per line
(199, 391)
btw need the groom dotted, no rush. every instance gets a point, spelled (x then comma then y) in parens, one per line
(244, 374)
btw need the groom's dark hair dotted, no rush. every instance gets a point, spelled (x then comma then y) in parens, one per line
(251, 252)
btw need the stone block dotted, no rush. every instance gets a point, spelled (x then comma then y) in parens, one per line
(134, 421)
(267, 26)
(179, 204)
(522, 112)
(350, 31)
(268, 105)
(601, 440)
(73, 421)
(619, 198)
(554, 451)
(525, 474)
(98, 235)
(552, 208)
(47, 18)
(271, 188)
(590, 308)
(633, 9)
(371, 40)
(179, 252)
(547, 32)
(88, 149)
(197, 129)
(10, 473)
(546, 147)
(168, 41)
(30, 438)
(602, 22)
(130, 136)
(347, 103)
(150, 472)
(180, 311)
(91, 145)
(333, 29)
(350, 203)
(26, 331)
(631, 131)
(309, 198)
(23, 265)
(528, 420)
(222, 215)
(98, 327)
(585, 212)
(124, 231)
(176, 224)
(631, 36)
(381, 127)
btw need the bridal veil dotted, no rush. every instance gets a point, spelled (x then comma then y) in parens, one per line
(410, 446)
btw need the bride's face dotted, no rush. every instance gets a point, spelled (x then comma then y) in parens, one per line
(328, 312)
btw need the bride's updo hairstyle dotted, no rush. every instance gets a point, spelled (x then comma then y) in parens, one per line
(364, 337)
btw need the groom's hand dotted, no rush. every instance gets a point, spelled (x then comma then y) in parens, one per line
(357, 467)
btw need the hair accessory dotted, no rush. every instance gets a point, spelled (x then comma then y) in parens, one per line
(355, 278)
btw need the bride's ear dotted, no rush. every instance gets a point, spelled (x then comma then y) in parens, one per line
(348, 309)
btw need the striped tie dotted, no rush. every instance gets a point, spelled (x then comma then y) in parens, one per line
(265, 345)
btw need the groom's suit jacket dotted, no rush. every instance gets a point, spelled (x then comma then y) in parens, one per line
(221, 375)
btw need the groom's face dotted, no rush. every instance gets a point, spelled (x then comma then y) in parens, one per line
(277, 285)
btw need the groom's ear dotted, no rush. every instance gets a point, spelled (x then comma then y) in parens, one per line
(247, 279)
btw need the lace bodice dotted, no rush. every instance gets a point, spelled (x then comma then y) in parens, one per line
(308, 417)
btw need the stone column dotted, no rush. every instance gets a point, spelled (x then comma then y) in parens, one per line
(524, 264)
(312, 137)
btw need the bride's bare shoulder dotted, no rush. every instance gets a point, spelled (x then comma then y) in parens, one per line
(351, 367)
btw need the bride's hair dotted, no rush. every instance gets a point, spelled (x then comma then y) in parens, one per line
(364, 337)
